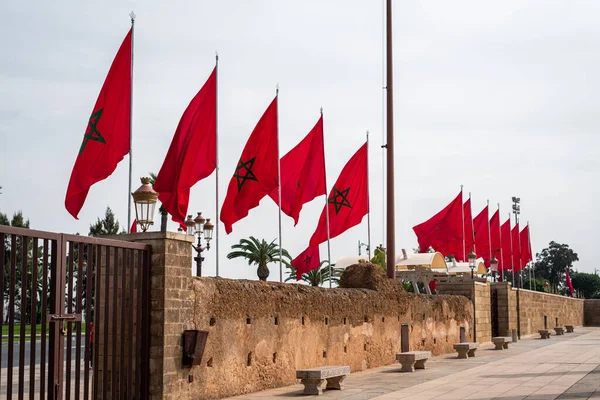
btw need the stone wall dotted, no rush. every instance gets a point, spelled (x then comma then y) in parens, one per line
(507, 307)
(479, 294)
(592, 312)
(260, 333)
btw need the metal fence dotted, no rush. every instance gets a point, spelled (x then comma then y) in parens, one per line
(74, 316)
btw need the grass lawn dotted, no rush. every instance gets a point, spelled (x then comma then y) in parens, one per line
(38, 330)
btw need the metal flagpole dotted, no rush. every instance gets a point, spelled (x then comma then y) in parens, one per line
(489, 232)
(501, 246)
(217, 158)
(279, 188)
(132, 16)
(462, 212)
(530, 252)
(472, 226)
(327, 209)
(368, 204)
(390, 201)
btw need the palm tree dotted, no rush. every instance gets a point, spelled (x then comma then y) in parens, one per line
(259, 252)
(318, 276)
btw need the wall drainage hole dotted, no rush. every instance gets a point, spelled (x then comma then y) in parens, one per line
(366, 319)
(213, 321)
(422, 342)
(344, 320)
(434, 340)
(209, 362)
(276, 320)
(365, 347)
(274, 358)
(249, 362)
(324, 354)
(326, 321)
(345, 349)
(382, 319)
(248, 320)
(303, 320)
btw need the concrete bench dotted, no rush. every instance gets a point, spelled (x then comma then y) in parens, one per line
(570, 328)
(501, 342)
(559, 330)
(313, 378)
(544, 333)
(465, 350)
(412, 360)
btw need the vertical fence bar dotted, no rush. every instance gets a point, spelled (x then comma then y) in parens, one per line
(98, 323)
(2, 265)
(89, 297)
(23, 317)
(114, 326)
(145, 354)
(69, 296)
(123, 334)
(105, 323)
(131, 335)
(139, 331)
(11, 317)
(43, 320)
(33, 336)
(80, 260)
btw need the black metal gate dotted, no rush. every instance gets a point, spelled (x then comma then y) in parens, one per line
(65, 298)
(494, 311)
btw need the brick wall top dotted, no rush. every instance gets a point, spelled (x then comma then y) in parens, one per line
(533, 292)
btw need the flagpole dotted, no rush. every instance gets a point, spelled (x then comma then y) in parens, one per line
(132, 16)
(530, 252)
(472, 226)
(390, 201)
(279, 188)
(501, 246)
(368, 204)
(462, 212)
(327, 211)
(489, 233)
(217, 159)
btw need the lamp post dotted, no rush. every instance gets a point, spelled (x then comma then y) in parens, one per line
(494, 266)
(145, 202)
(200, 227)
(472, 257)
(366, 246)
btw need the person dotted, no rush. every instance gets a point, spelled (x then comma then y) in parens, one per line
(91, 353)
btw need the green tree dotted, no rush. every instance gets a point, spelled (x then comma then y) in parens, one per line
(259, 252)
(587, 284)
(109, 225)
(379, 256)
(318, 276)
(161, 210)
(552, 263)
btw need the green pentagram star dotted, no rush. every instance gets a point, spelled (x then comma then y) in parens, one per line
(248, 175)
(93, 134)
(307, 260)
(339, 199)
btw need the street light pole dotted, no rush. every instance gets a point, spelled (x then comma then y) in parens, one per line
(200, 227)
(390, 208)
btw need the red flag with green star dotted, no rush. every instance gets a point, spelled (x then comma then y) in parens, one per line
(306, 261)
(255, 175)
(348, 201)
(106, 138)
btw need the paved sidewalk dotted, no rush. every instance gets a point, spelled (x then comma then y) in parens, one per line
(564, 367)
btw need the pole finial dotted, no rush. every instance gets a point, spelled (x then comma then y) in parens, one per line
(277, 89)
(321, 110)
(217, 55)
(132, 16)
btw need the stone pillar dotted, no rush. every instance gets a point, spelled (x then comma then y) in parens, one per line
(170, 294)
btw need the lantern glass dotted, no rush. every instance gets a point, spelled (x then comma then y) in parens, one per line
(494, 264)
(145, 199)
(208, 229)
(189, 222)
(472, 259)
(199, 222)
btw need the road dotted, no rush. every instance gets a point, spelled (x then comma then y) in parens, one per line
(16, 349)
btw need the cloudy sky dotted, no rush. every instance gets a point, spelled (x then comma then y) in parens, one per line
(501, 97)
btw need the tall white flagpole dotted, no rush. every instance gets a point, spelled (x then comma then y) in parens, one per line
(462, 212)
(530, 252)
(132, 16)
(327, 209)
(217, 219)
(279, 188)
(501, 245)
(489, 232)
(368, 204)
(472, 226)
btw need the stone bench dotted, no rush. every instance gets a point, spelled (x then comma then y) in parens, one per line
(559, 330)
(412, 360)
(465, 350)
(570, 328)
(544, 333)
(501, 342)
(313, 378)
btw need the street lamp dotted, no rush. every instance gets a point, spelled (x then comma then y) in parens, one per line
(494, 266)
(200, 227)
(472, 257)
(145, 202)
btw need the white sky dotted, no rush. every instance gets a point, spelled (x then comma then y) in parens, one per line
(498, 96)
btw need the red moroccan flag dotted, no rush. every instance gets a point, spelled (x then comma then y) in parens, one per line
(469, 233)
(348, 201)
(106, 138)
(507, 260)
(133, 228)
(482, 236)
(526, 255)
(516, 249)
(443, 231)
(255, 175)
(568, 282)
(496, 238)
(306, 261)
(192, 155)
(302, 173)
